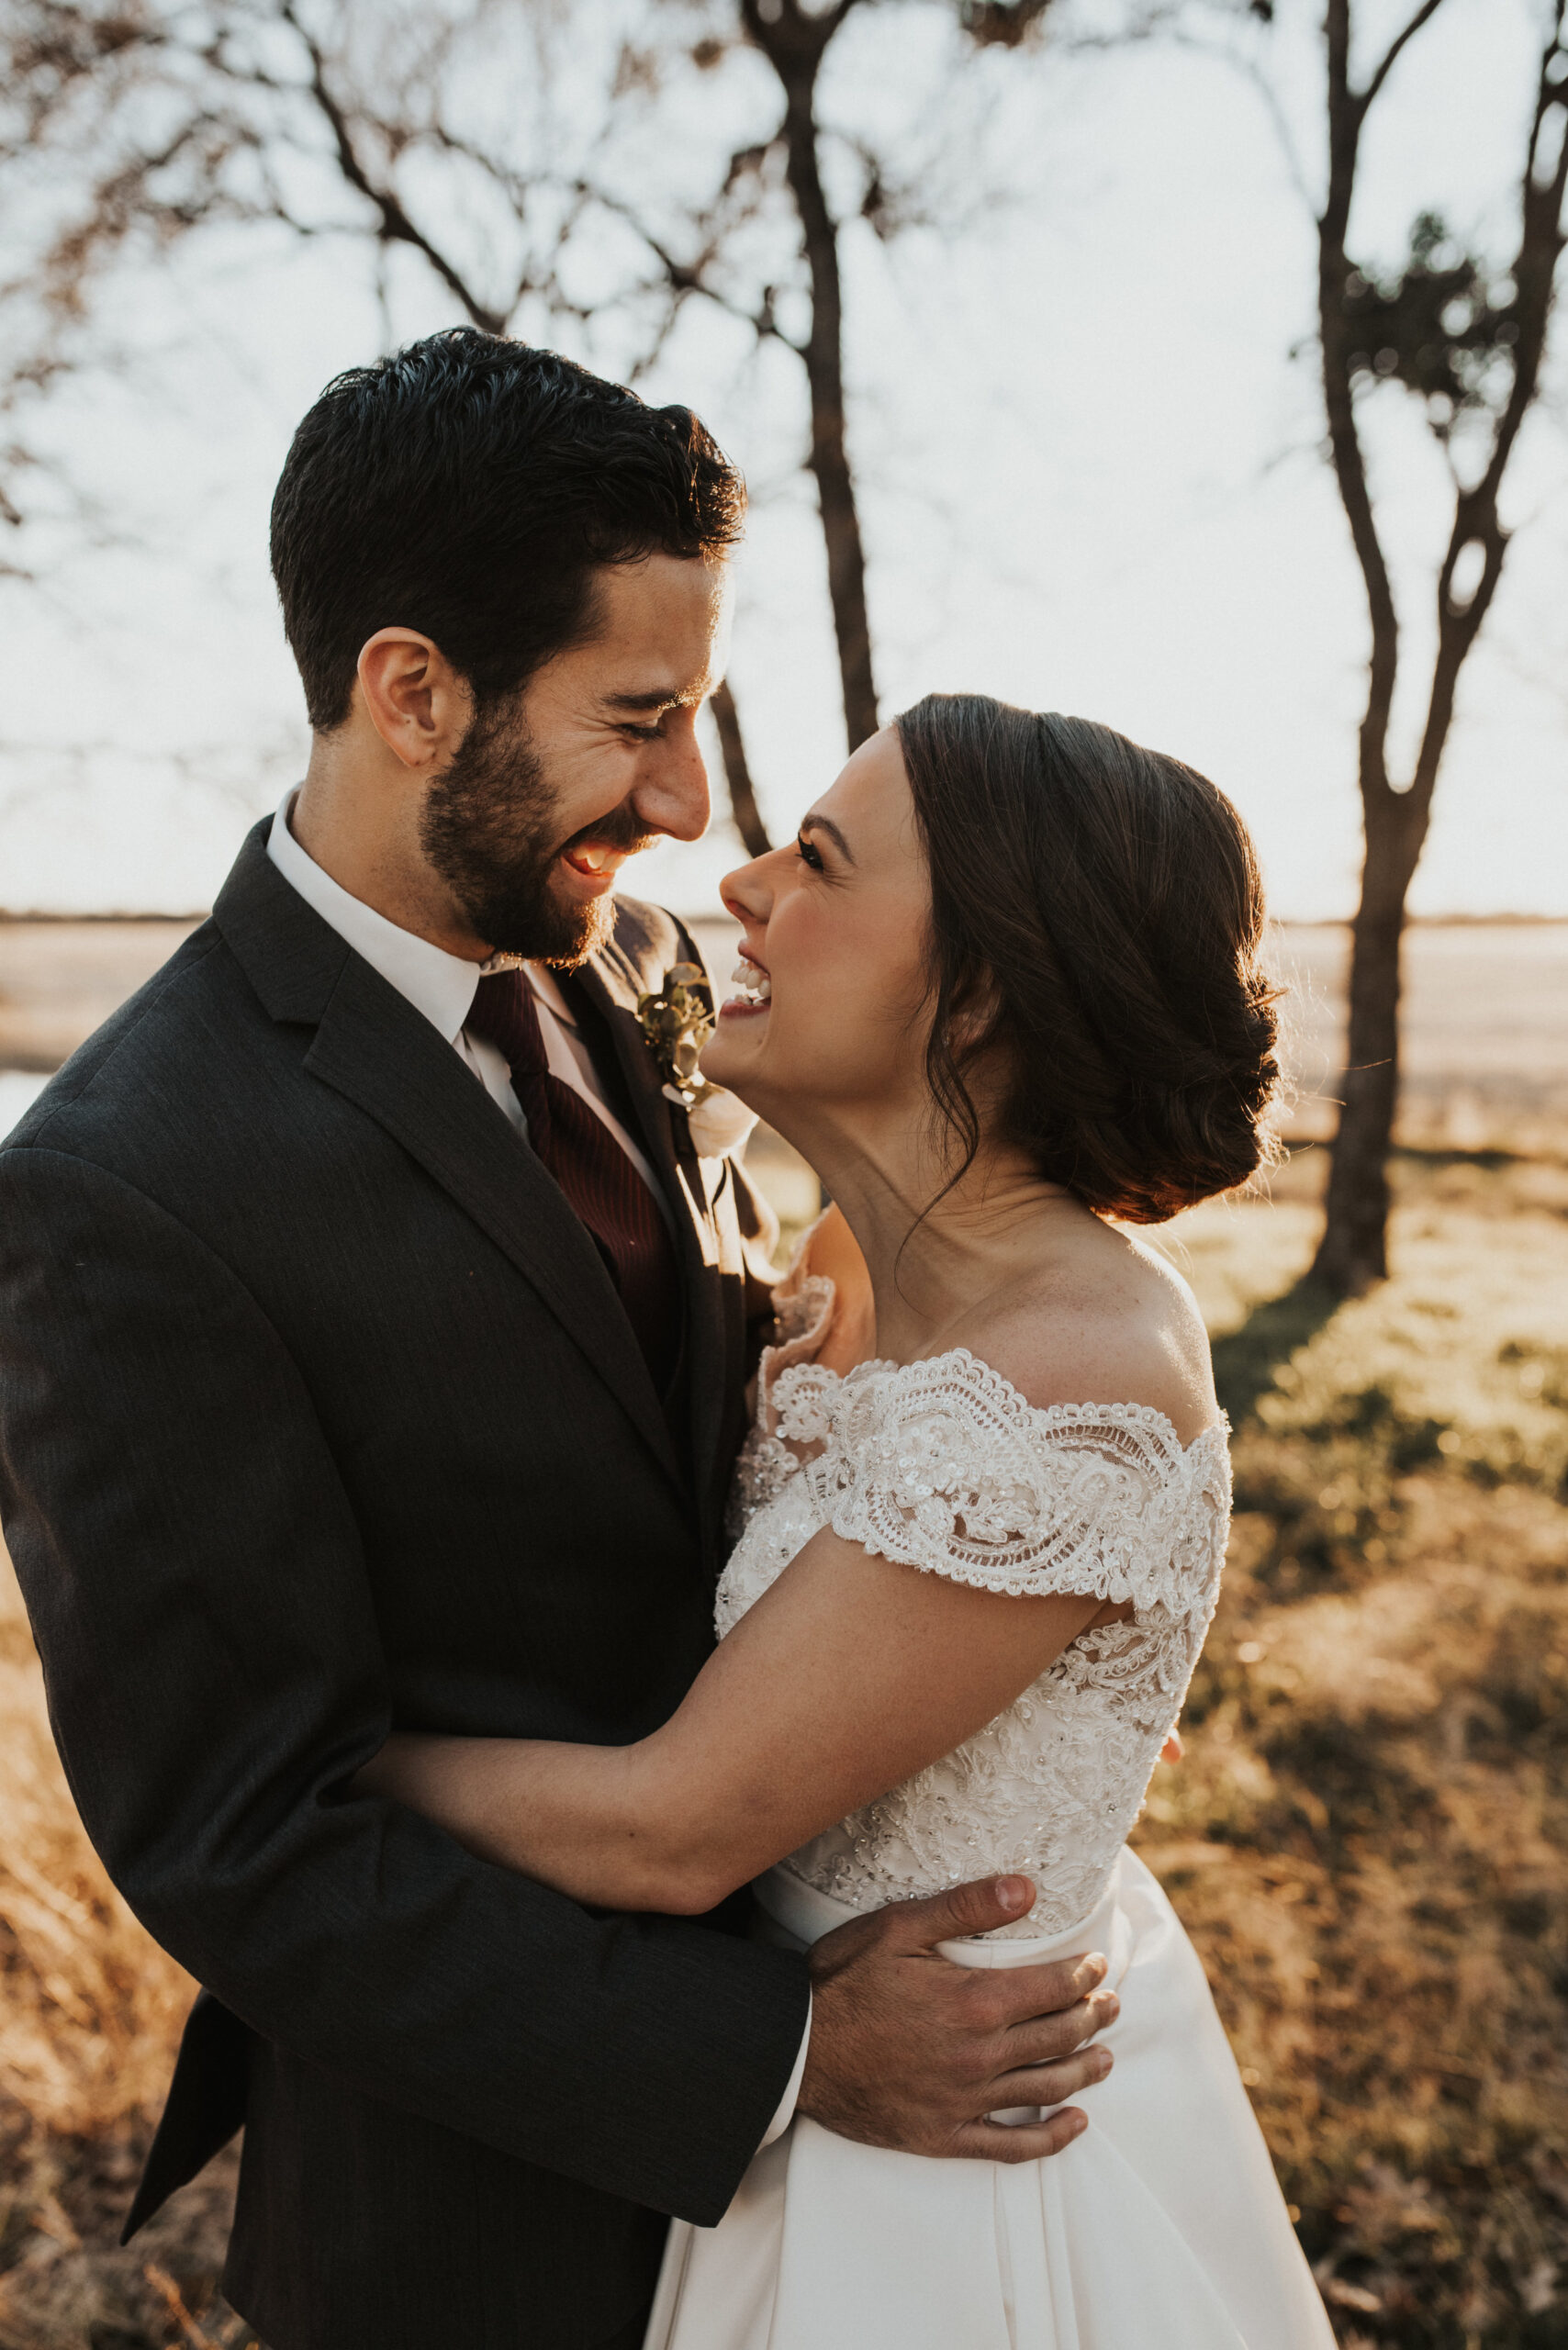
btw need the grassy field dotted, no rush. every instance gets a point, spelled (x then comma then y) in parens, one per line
(1366, 1836)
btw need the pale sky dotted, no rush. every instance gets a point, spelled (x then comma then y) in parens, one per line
(1089, 470)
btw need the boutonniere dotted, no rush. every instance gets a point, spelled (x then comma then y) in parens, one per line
(677, 1021)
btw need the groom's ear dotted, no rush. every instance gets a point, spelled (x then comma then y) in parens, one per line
(413, 696)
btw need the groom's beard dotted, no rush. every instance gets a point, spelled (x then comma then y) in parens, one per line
(489, 827)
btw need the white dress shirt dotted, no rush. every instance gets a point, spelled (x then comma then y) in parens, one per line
(442, 986)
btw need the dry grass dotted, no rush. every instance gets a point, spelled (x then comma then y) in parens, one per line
(1366, 1837)
(90, 2008)
(90, 2014)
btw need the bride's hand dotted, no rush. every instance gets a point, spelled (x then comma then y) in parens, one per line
(1172, 1750)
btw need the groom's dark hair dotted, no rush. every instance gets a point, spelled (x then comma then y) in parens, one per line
(468, 487)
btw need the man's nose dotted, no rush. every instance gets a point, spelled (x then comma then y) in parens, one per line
(672, 794)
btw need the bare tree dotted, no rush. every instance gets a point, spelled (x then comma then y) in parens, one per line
(795, 41)
(335, 119)
(1468, 340)
(795, 44)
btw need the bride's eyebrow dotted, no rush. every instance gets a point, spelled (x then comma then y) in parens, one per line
(826, 824)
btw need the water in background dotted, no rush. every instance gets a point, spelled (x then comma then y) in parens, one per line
(19, 1089)
(1484, 1050)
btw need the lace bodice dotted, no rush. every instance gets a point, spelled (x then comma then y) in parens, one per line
(945, 1466)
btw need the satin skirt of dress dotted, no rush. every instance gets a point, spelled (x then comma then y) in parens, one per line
(1161, 2227)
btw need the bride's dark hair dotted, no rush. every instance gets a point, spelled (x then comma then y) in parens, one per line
(1096, 910)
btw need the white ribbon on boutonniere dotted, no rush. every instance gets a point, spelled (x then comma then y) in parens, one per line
(677, 1021)
(719, 1123)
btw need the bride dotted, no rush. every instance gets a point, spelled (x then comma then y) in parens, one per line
(1002, 992)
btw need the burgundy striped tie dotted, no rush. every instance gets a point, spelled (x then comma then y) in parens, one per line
(600, 1183)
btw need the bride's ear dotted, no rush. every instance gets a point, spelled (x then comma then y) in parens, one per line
(971, 1023)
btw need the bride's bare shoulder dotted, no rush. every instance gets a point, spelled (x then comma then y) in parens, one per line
(1105, 1320)
(832, 1249)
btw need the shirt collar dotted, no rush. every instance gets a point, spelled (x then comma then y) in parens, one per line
(440, 985)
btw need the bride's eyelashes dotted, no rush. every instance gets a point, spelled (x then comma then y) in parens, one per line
(810, 854)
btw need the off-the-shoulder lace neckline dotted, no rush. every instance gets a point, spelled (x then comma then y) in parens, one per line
(1147, 1416)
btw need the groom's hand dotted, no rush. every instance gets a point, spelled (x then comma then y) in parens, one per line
(907, 2050)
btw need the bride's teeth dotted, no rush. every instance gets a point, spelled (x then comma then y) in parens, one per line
(752, 983)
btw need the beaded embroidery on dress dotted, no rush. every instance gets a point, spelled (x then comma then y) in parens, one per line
(1163, 2223)
(945, 1466)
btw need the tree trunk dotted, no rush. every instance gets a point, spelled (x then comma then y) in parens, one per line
(1353, 1252)
(737, 773)
(794, 44)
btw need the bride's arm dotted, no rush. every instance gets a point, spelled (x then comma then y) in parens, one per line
(849, 1673)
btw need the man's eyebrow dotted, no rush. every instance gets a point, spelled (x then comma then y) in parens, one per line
(658, 698)
(826, 824)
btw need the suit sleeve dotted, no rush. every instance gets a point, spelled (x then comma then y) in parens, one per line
(197, 1590)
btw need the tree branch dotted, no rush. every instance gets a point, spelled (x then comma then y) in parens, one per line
(737, 772)
(1346, 114)
(1477, 520)
(396, 226)
(794, 44)
(688, 277)
(1428, 9)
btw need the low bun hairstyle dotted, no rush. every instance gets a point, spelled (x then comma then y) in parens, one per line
(1097, 909)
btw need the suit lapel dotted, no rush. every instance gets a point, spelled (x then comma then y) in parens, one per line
(612, 985)
(375, 1049)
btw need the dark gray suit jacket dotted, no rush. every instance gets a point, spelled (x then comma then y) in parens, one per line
(320, 1414)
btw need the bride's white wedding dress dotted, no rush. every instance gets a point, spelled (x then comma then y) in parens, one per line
(1162, 2226)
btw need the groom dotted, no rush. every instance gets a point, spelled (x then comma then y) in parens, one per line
(372, 1348)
